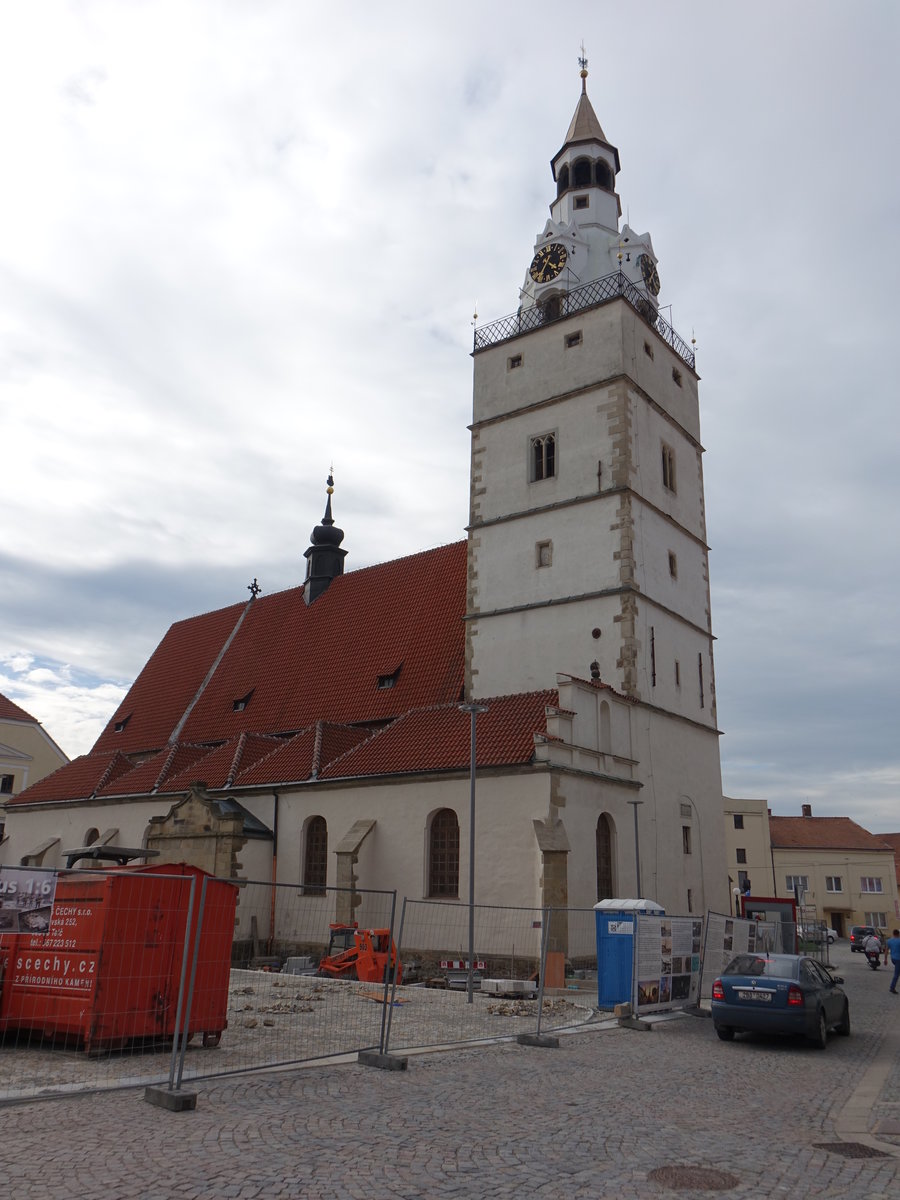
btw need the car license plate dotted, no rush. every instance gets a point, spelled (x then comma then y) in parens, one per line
(765, 997)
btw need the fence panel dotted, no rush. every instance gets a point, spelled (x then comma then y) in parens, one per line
(280, 1010)
(91, 967)
(436, 1010)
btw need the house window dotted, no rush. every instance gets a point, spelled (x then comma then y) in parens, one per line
(119, 726)
(543, 457)
(834, 883)
(869, 883)
(676, 376)
(794, 883)
(743, 881)
(543, 554)
(573, 339)
(241, 702)
(668, 468)
(315, 857)
(443, 854)
(513, 361)
(604, 858)
(6, 785)
(686, 810)
(582, 201)
(673, 565)
(690, 900)
(878, 919)
(686, 838)
(738, 820)
(741, 854)
(648, 349)
(388, 680)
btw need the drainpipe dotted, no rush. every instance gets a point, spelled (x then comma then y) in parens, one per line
(274, 871)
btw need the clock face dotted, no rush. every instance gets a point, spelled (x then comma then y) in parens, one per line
(548, 262)
(649, 273)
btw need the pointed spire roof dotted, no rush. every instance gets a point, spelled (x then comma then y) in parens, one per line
(584, 126)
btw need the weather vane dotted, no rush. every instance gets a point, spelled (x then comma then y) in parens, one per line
(253, 588)
(582, 61)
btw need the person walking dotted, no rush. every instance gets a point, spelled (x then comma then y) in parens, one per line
(893, 948)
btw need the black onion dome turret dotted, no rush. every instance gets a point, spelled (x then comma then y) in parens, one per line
(325, 556)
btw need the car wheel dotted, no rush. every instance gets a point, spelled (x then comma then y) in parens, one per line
(844, 1027)
(725, 1033)
(820, 1037)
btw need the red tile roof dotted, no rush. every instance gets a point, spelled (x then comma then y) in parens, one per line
(299, 664)
(11, 712)
(822, 833)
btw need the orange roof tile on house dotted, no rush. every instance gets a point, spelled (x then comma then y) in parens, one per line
(12, 712)
(822, 833)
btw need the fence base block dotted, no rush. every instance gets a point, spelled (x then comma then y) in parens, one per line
(538, 1039)
(384, 1062)
(173, 1101)
(634, 1023)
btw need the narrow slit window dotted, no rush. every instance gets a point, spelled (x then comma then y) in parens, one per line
(668, 468)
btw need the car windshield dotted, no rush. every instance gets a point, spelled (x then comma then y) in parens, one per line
(783, 966)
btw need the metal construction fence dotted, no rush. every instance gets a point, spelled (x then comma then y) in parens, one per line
(727, 936)
(532, 969)
(117, 977)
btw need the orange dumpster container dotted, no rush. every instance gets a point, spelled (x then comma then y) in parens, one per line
(107, 969)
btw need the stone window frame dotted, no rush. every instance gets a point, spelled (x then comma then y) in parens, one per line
(543, 465)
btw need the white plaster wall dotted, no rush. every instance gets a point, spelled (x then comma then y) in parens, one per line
(27, 828)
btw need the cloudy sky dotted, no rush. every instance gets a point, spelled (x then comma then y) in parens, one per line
(242, 241)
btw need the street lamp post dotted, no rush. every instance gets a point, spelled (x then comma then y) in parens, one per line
(637, 849)
(473, 710)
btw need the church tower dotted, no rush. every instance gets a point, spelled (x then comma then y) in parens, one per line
(587, 537)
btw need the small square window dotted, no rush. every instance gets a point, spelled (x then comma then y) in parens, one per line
(673, 565)
(513, 361)
(573, 339)
(582, 201)
(543, 554)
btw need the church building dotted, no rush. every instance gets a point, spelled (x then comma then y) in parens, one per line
(323, 733)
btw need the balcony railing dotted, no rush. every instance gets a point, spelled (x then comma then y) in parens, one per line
(589, 295)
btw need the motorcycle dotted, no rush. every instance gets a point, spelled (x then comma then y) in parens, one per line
(873, 958)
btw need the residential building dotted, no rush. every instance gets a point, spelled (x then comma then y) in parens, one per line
(27, 753)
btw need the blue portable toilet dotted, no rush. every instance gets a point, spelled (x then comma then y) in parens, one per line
(615, 947)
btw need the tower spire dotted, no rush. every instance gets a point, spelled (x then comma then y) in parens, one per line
(325, 556)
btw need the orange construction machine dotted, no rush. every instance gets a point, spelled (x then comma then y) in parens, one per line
(368, 955)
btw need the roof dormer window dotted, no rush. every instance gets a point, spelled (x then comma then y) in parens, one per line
(119, 726)
(241, 702)
(389, 679)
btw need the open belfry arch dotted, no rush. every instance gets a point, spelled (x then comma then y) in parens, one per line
(325, 720)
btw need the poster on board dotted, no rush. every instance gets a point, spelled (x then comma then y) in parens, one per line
(666, 963)
(26, 899)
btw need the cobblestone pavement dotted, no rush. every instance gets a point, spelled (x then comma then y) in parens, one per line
(610, 1113)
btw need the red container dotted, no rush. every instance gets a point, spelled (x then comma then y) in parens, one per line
(107, 970)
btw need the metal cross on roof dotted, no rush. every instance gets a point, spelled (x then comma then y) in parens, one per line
(253, 588)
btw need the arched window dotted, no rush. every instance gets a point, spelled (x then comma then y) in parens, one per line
(604, 858)
(562, 181)
(315, 857)
(603, 174)
(443, 854)
(543, 457)
(551, 307)
(90, 837)
(581, 173)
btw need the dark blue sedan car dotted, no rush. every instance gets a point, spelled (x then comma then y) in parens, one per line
(779, 993)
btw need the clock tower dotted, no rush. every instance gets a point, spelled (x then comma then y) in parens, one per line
(587, 536)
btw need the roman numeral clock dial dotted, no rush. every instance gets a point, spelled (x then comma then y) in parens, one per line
(548, 262)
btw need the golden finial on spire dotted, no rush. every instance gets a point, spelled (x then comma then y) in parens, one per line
(583, 62)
